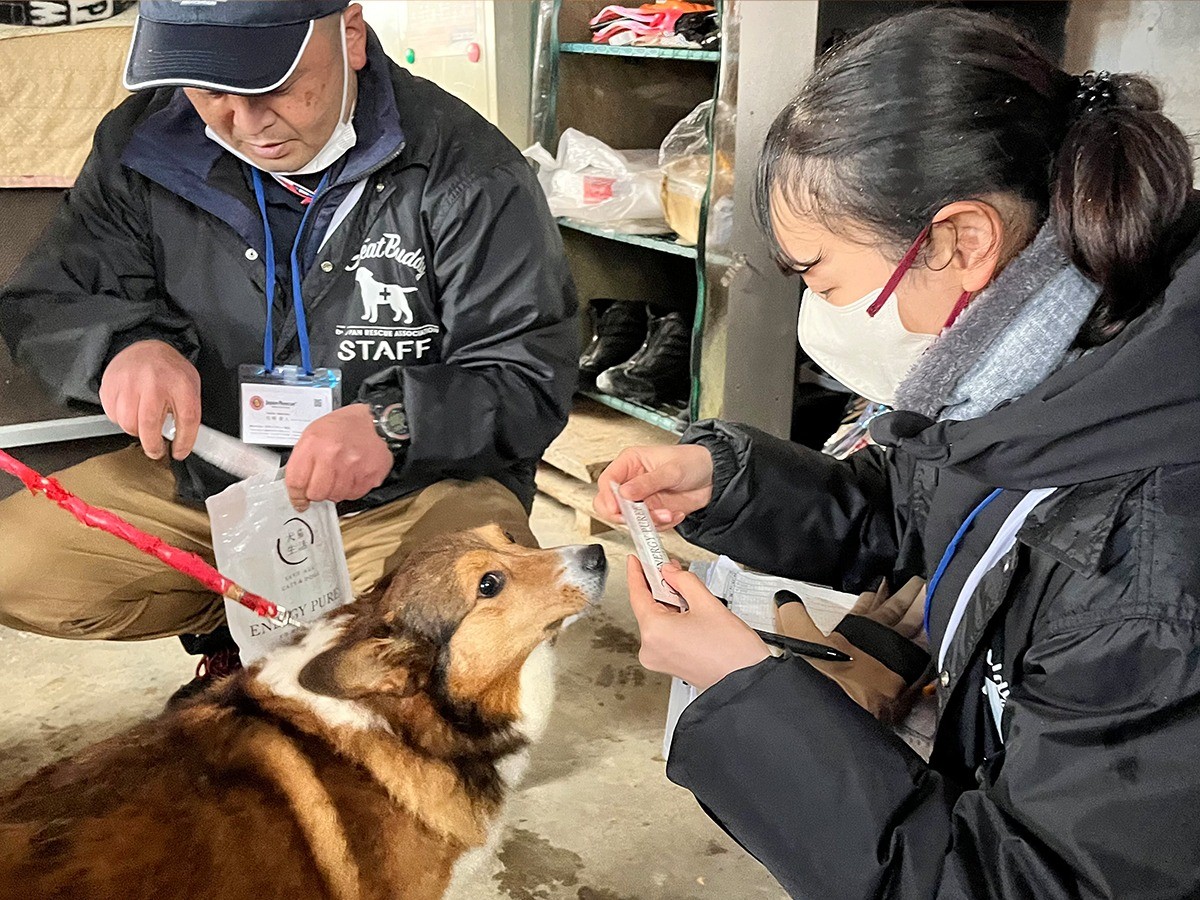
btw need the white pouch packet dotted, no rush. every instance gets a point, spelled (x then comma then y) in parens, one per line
(295, 559)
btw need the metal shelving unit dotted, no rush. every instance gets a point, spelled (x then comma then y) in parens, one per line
(570, 68)
(663, 417)
(711, 56)
(743, 315)
(665, 243)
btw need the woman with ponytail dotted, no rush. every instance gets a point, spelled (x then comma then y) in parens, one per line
(1008, 256)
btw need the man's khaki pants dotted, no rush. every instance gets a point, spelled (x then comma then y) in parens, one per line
(62, 579)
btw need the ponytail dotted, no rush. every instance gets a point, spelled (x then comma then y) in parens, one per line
(1120, 184)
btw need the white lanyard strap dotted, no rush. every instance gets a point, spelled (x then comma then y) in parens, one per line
(1004, 541)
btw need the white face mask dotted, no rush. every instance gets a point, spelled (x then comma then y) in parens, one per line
(869, 355)
(343, 138)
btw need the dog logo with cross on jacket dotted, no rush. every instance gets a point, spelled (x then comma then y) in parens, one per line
(376, 293)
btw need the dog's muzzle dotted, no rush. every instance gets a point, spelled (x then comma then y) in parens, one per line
(587, 569)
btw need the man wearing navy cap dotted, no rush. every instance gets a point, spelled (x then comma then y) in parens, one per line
(282, 218)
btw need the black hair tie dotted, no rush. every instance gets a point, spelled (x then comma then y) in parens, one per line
(1095, 91)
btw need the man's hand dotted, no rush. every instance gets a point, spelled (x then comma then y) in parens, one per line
(673, 482)
(143, 383)
(702, 645)
(339, 457)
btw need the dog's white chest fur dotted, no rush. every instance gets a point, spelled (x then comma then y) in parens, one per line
(537, 698)
(281, 670)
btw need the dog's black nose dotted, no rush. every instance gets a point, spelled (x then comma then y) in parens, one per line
(592, 558)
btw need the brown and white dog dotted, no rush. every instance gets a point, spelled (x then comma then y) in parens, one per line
(369, 759)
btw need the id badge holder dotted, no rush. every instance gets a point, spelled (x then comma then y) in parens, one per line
(277, 406)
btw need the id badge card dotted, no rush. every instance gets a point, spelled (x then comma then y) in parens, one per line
(277, 406)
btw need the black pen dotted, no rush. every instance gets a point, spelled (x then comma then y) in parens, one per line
(803, 648)
(797, 646)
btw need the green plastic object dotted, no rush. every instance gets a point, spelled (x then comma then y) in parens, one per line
(643, 52)
(410, 56)
(663, 243)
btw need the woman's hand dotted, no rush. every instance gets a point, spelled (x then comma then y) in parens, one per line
(702, 645)
(672, 481)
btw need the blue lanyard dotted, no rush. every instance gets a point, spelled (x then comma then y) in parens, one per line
(951, 550)
(297, 299)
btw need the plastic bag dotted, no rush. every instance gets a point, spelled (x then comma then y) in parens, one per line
(592, 182)
(688, 137)
(684, 159)
(295, 559)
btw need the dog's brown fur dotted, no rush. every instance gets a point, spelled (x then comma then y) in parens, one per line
(245, 792)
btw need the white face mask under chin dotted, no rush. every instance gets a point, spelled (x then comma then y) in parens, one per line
(869, 355)
(343, 138)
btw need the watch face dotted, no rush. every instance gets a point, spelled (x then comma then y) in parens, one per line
(394, 421)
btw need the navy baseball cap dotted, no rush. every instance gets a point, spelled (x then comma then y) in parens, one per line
(231, 46)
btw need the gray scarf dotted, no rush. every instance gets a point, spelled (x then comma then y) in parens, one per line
(1010, 339)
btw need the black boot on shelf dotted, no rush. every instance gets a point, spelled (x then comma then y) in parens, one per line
(660, 372)
(620, 331)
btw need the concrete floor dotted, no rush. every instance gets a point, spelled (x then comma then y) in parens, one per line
(595, 819)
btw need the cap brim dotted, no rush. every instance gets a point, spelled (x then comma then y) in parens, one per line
(224, 58)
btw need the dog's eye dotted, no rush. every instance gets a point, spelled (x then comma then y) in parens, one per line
(491, 584)
(511, 539)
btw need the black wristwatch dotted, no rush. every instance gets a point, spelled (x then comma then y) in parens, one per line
(391, 421)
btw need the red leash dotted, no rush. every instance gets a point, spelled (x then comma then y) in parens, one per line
(182, 561)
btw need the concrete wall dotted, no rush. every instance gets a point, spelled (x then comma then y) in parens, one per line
(1158, 37)
(514, 67)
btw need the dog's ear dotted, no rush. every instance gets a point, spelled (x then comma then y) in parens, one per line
(376, 666)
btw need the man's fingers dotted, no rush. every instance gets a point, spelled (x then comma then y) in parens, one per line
(298, 498)
(296, 475)
(108, 402)
(349, 486)
(320, 483)
(185, 407)
(151, 414)
(337, 485)
(359, 487)
(124, 413)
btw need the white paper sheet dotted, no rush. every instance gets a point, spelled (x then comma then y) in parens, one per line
(751, 596)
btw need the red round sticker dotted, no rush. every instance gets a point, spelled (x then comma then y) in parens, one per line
(256, 402)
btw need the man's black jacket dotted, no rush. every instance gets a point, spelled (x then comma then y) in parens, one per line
(161, 238)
